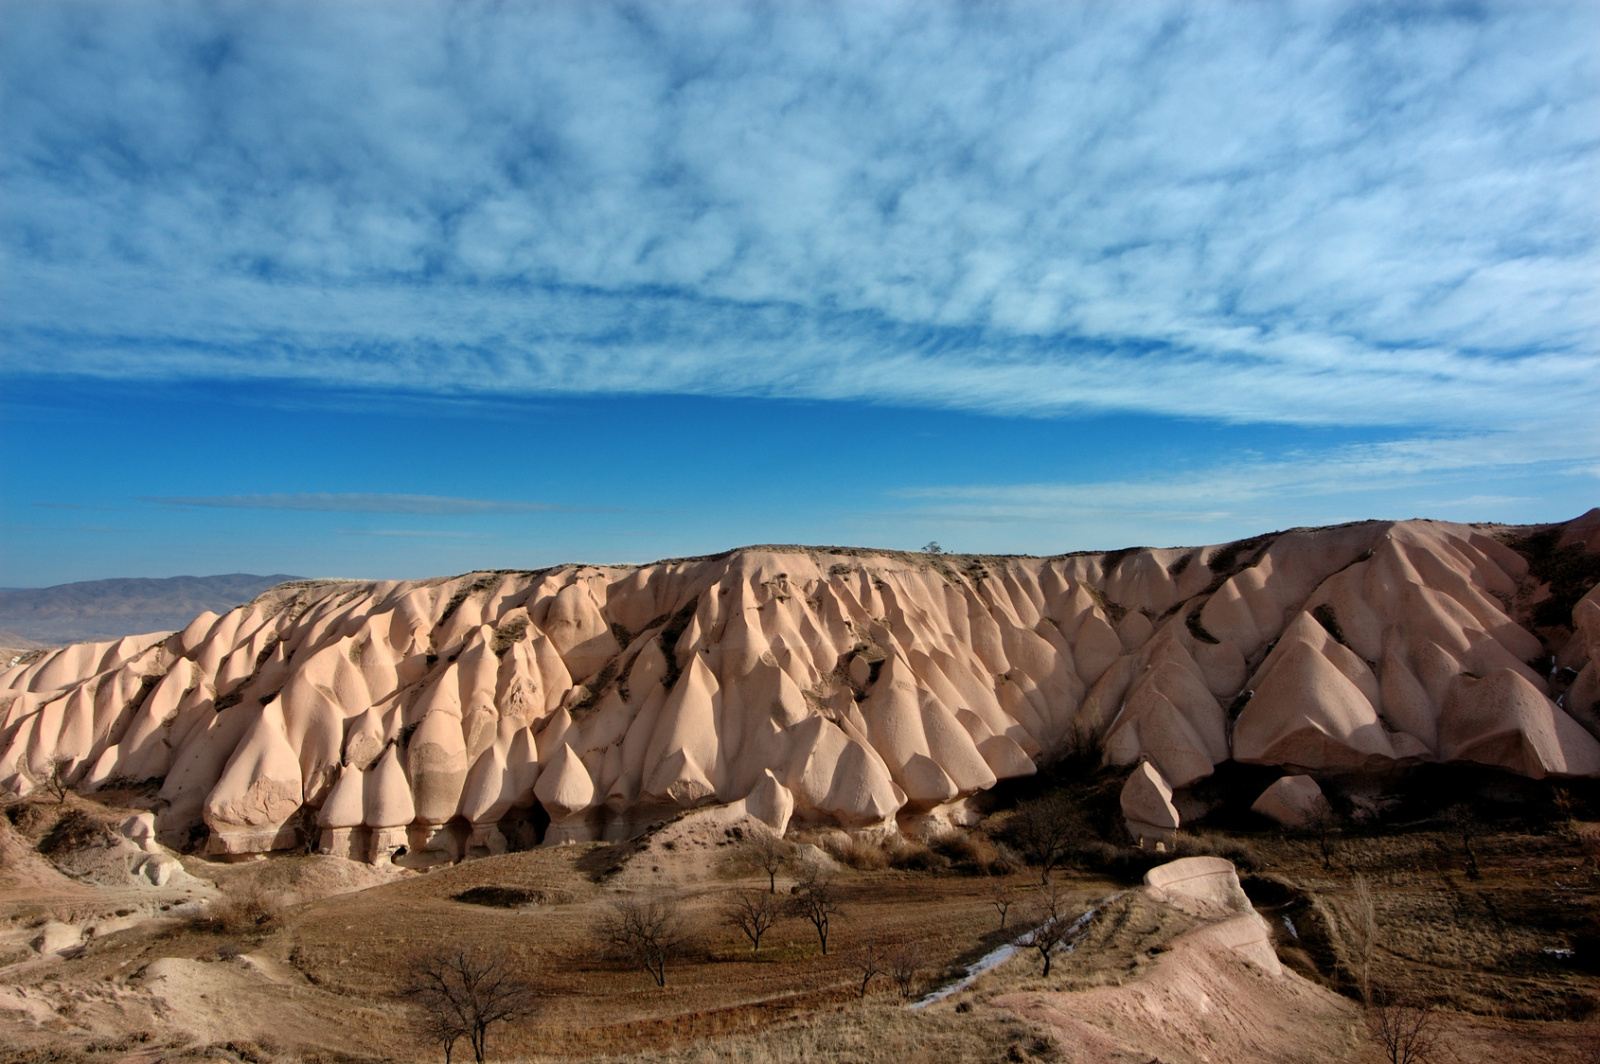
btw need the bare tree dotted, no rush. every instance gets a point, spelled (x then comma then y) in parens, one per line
(1464, 822)
(753, 913)
(816, 901)
(868, 963)
(1407, 1031)
(1323, 823)
(1050, 924)
(1363, 935)
(1001, 898)
(771, 854)
(54, 782)
(645, 933)
(442, 1027)
(463, 992)
(1046, 830)
(905, 963)
(1050, 920)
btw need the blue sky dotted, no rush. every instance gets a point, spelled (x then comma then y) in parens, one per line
(402, 290)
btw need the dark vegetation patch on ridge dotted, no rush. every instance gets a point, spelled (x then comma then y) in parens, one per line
(1570, 571)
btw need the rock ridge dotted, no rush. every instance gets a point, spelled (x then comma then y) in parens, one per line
(865, 689)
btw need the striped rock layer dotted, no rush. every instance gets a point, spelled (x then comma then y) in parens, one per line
(855, 688)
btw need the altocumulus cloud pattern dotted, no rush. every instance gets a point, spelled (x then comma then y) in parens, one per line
(1313, 214)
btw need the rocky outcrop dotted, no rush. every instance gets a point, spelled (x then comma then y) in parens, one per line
(1214, 992)
(860, 689)
(1147, 806)
(1203, 886)
(1292, 801)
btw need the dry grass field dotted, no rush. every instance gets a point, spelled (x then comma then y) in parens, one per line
(304, 957)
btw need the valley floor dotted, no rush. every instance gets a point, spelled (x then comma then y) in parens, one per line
(307, 961)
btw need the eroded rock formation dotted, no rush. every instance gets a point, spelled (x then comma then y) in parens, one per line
(856, 688)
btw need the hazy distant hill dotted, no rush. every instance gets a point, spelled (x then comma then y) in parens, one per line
(109, 609)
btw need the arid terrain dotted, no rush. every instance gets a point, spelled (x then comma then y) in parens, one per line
(1371, 750)
(303, 957)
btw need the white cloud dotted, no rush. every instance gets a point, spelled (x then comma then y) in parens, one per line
(360, 503)
(1319, 213)
(1325, 483)
(412, 533)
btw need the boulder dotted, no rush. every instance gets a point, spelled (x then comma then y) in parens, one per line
(159, 868)
(55, 937)
(1201, 886)
(1289, 800)
(1147, 806)
(140, 829)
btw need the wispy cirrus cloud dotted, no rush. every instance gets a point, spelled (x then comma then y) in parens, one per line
(1318, 213)
(1336, 477)
(413, 533)
(362, 503)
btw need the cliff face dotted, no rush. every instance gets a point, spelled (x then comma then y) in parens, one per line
(849, 687)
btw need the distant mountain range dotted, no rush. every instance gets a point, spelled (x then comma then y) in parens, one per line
(110, 609)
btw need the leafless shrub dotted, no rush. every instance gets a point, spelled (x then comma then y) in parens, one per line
(243, 909)
(753, 913)
(73, 830)
(1322, 823)
(463, 992)
(868, 962)
(771, 854)
(1407, 1031)
(863, 854)
(1050, 923)
(1002, 899)
(914, 855)
(974, 853)
(905, 964)
(1464, 822)
(816, 901)
(54, 782)
(1046, 831)
(646, 933)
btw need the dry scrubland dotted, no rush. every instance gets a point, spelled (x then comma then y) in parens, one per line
(303, 957)
(1439, 681)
